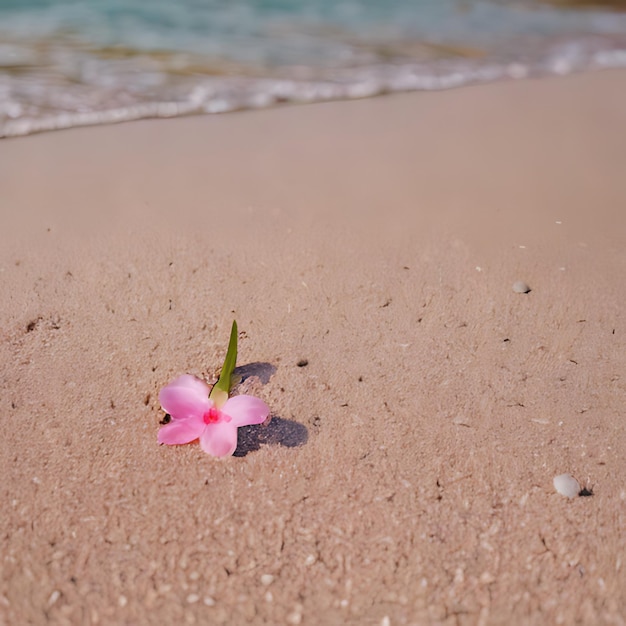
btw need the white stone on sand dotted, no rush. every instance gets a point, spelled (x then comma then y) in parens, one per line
(520, 287)
(566, 485)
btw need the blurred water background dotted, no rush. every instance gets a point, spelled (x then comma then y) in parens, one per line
(67, 63)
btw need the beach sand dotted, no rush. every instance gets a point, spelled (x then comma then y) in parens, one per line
(406, 476)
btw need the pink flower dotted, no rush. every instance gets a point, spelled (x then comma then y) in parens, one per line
(196, 416)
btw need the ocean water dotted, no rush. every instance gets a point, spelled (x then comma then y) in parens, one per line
(67, 63)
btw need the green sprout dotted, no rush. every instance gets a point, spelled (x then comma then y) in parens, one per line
(221, 389)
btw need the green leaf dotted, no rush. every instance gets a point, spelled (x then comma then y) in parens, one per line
(221, 389)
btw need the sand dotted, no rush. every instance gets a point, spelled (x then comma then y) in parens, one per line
(407, 474)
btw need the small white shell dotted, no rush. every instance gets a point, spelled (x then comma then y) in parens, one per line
(566, 485)
(521, 287)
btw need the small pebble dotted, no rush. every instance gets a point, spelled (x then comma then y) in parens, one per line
(267, 579)
(295, 617)
(566, 485)
(54, 596)
(303, 362)
(461, 420)
(192, 598)
(521, 287)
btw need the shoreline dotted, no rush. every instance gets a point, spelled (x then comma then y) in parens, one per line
(248, 94)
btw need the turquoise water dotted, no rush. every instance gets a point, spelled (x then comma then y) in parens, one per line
(75, 62)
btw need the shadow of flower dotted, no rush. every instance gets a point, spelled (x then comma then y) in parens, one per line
(279, 431)
(263, 371)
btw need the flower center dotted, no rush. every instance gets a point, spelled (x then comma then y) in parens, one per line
(215, 416)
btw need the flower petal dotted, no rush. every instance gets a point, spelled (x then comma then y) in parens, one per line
(185, 397)
(181, 431)
(219, 439)
(246, 410)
